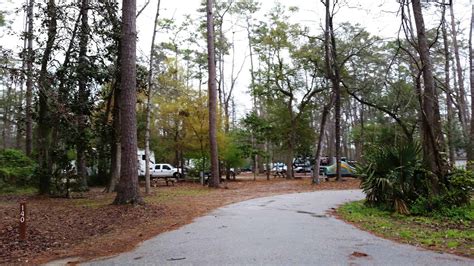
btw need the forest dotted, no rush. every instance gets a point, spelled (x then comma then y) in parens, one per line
(77, 102)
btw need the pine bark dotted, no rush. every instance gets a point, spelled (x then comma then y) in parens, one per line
(128, 188)
(214, 179)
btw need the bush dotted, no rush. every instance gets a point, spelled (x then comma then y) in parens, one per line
(457, 194)
(16, 169)
(460, 188)
(393, 177)
(438, 207)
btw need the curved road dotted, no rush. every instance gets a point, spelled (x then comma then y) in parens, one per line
(289, 229)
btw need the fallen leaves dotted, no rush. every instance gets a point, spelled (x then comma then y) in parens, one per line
(91, 227)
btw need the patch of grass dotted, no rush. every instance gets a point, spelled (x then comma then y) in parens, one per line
(452, 244)
(405, 234)
(20, 191)
(448, 234)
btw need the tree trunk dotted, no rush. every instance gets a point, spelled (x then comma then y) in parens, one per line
(463, 110)
(291, 142)
(115, 152)
(128, 189)
(115, 166)
(360, 144)
(19, 117)
(105, 137)
(81, 145)
(252, 73)
(470, 154)
(322, 127)
(148, 103)
(29, 82)
(432, 138)
(332, 69)
(449, 100)
(214, 180)
(6, 115)
(44, 123)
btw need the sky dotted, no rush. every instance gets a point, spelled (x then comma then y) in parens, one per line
(379, 17)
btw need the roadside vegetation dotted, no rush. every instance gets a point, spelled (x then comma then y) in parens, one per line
(402, 203)
(450, 230)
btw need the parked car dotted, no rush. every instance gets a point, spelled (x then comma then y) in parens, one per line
(164, 170)
(346, 170)
(279, 169)
(303, 169)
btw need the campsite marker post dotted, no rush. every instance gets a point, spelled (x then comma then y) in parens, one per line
(23, 220)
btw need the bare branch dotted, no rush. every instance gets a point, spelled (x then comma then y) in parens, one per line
(143, 8)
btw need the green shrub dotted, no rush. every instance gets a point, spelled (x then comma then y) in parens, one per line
(460, 188)
(16, 168)
(439, 208)
(393, 177)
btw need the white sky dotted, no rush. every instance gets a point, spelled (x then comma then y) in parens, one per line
(379, 17)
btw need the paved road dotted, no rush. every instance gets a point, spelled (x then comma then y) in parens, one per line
(289, 229)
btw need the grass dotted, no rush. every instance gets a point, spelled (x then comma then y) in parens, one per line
(18, 191)
(447, 234)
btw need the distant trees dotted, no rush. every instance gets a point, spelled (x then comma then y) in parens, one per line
(81, 95)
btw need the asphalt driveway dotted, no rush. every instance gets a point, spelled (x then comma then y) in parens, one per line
(292, 229)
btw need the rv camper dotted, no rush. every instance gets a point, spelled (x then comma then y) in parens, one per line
(142, 160)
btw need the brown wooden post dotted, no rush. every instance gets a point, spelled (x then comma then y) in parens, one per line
(22, 220)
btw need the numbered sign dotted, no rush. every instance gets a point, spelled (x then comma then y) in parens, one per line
(22, 221)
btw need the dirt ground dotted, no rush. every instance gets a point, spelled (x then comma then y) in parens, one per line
(88, 226)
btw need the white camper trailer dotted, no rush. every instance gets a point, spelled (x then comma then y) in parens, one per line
(141, 162)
